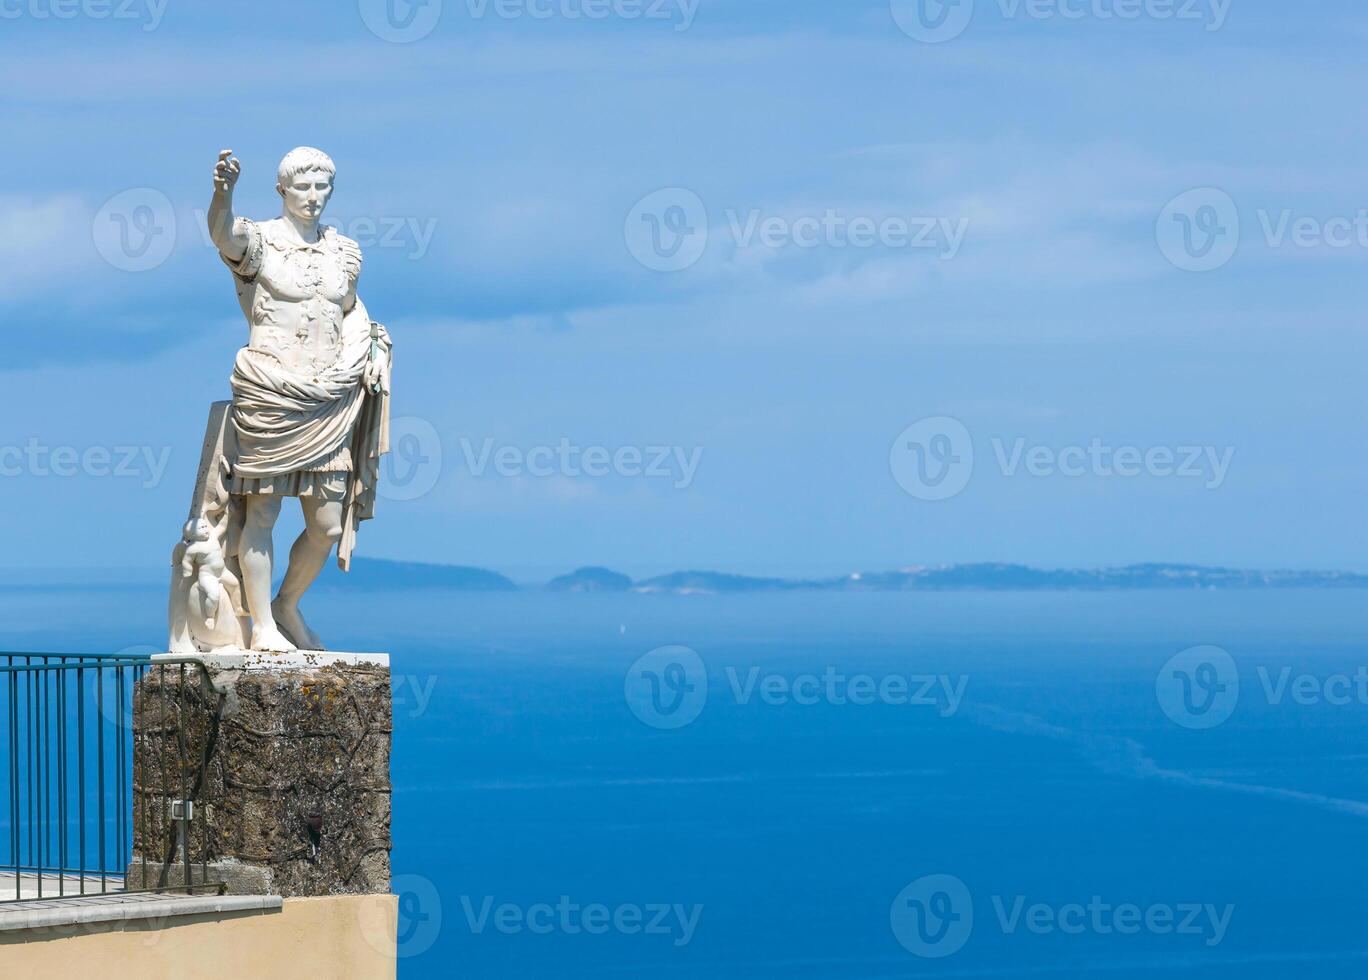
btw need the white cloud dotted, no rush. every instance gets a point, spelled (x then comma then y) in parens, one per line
(40, 240)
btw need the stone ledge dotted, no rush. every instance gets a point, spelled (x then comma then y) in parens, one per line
(117, 907)
(299, 660)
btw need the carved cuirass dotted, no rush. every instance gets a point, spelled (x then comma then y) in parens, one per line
(295, 294)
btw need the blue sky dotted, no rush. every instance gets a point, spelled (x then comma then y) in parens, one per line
(494, 169)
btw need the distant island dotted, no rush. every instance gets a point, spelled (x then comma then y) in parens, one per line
(379, 575)
(591, 580)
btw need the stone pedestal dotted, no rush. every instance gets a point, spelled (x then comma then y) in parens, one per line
(286, 761)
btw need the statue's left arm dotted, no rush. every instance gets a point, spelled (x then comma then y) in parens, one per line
(357, 323)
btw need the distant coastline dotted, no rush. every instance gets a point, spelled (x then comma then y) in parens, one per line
(377, 574)
(383, 575)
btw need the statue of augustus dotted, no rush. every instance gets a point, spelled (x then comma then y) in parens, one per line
(309, 416)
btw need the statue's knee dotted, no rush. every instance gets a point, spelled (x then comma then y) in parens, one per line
(326, 528)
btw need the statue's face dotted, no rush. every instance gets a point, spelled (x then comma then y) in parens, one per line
(307, 193)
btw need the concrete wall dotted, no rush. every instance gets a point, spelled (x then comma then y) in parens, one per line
(341, 938)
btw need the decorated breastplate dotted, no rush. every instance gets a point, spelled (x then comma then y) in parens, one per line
(301, 290)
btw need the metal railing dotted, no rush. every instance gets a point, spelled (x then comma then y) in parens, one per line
(102, 767)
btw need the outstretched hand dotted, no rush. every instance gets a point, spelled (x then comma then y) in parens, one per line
(226, 171)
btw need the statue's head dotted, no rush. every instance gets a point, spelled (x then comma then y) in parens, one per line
(305, 182)
(197, 529)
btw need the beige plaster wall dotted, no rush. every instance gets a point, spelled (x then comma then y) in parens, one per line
(340, 937)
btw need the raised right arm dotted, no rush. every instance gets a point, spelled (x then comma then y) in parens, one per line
(231, 241)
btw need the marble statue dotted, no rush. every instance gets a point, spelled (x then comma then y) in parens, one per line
(309, 418)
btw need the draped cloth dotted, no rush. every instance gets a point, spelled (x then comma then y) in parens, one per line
(288, 423)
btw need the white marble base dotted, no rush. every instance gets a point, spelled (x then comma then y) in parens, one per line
(300, 659)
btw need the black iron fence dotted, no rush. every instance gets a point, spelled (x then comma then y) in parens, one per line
(102, 762)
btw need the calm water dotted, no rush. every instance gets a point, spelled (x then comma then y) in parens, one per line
(772, 839)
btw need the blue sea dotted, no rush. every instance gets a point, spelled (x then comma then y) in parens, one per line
(855, 785)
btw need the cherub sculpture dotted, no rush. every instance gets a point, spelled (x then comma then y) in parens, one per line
(201, 559)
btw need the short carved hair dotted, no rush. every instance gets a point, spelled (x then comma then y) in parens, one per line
(303, 158)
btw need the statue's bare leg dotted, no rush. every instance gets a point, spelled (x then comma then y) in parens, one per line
(322, 531)
(255, 556)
